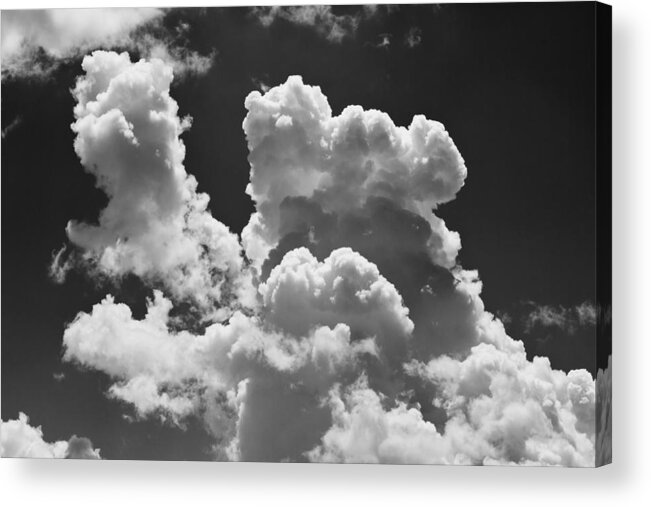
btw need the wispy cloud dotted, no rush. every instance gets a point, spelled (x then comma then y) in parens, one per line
(414, 37)
(331, 26)
(37, 42)
(567, 319)
(12, 126)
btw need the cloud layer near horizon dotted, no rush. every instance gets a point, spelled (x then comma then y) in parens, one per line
(354, 336)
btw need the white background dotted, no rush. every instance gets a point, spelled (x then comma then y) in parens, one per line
(626, 482)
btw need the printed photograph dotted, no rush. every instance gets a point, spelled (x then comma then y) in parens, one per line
(319, 234)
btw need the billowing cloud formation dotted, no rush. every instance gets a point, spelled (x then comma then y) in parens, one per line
(320, 17)
(317, 320)
(500, 409)
(297, 148)
(18, 439)
(156, 225)
(364, 340)
(35, 41)
(503, 408)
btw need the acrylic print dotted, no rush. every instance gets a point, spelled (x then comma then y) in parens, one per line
(349, 234)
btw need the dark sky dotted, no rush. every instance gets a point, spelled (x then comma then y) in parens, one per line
(513, 84)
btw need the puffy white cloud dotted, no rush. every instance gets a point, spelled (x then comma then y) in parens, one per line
(501, 409)
(35, 41)
(498, 408)
(317, 322)
(365, 343)
(364, 431)
(111, 340)
(18, 439)
(302, 293)
(156, 225)
(504, 409)
(298, 149)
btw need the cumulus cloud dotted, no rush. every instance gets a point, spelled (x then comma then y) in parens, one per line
(317, 321)
(35, 42)
(156, 225)
(344, 288)
(502, 408)
(358, 339)
(18, 439)
(364, 431)
(297, 148)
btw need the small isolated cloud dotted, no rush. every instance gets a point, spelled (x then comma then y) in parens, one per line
(414, 37)
(15, 123)
(18, 439)
(260, 84)
(36, 42)
(385, 41)
(331, 26)
(340, 161)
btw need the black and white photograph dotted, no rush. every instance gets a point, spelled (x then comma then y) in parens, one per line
(345, 234)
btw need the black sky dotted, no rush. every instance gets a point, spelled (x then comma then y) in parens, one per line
(513, 84)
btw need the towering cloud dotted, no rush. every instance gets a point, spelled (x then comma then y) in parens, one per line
(298, 149)
(359, 337)
(18, 439)
(156, 225)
